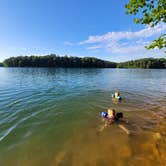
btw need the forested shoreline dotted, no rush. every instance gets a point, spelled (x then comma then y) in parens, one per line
(78, 62)
(146, 63)
(57, 61)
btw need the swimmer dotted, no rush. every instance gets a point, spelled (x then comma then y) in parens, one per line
(117, 96)
(110, 117)
(110, 114)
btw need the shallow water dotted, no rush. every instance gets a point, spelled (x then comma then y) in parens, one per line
(51, 117)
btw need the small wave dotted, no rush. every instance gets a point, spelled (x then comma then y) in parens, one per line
(9, 130)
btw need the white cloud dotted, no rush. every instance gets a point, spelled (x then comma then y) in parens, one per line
(124, 41)
(114, 36)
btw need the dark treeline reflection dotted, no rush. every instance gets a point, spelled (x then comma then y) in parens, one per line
(57, 61)
(54, 60)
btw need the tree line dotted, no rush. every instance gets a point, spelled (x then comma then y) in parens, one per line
(85, 62)
(146, 63)
(57, 61)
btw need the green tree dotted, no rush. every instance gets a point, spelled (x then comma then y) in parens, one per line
(146, 63)
(149, 12)
(57, 61)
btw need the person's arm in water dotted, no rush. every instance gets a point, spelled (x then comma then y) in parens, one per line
(119, 117)
(103, 127)
(124, 129)
(106, 124)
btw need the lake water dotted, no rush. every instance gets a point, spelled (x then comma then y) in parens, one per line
(51, 117)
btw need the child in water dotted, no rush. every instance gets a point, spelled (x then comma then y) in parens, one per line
(116, 95)
(110, 117)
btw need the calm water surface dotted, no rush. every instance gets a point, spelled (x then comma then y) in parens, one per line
(51, 117)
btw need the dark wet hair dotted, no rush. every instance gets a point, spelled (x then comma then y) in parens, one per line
(118, 115)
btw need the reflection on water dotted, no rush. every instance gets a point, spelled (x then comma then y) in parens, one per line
(52, 117)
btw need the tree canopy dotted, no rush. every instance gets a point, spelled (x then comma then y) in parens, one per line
(86, 62)
(149, 12)
(146, 63)
(57, 61)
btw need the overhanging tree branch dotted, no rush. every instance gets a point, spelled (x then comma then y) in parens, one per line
(151, 13)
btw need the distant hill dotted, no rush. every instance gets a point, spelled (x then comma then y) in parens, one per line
(146, 63)
(1, 64)
(57, 61)
(54, 60)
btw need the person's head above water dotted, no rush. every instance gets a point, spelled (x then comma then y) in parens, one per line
(110, 113)
(116, 94)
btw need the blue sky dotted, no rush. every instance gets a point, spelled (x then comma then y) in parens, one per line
(98, 28)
